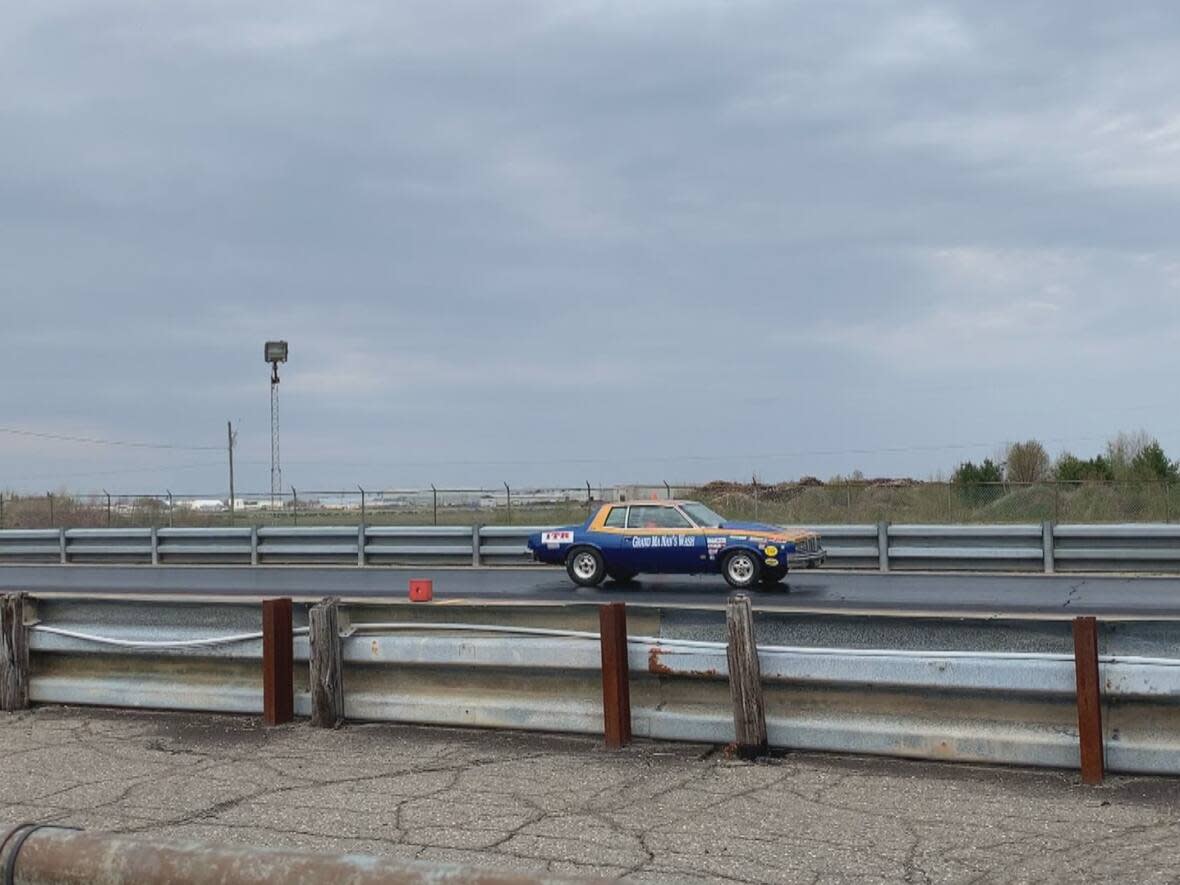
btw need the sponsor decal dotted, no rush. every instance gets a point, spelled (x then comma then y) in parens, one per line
(714, 546)
(555, 539)
(771, 550)
(771, 561)
(663, 541)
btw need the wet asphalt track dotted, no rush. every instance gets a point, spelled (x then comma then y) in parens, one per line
(816, 590)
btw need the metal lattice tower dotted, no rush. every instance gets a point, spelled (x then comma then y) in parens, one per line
(275, 353)
(276, 470)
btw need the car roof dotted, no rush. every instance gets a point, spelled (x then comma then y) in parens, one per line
(659, 502)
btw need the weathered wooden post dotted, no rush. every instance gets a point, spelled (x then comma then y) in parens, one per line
(278, 660)
(14, 654)
(745, 679)
(327, 664)
(1085, 650)
(616, 675)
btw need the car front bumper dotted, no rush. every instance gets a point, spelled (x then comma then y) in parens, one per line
(809, 559)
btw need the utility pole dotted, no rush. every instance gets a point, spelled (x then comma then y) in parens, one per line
(231, 439)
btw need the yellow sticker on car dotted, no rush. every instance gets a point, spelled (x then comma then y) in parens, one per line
(771, 550)
(771, 561)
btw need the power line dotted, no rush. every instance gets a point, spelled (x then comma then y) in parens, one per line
(89, 473)
(740, 456)
(90, 440)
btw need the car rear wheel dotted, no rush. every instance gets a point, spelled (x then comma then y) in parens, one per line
(585, 567)
(741, 569)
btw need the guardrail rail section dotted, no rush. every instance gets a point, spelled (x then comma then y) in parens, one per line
(1020, 691)
(1022, 548)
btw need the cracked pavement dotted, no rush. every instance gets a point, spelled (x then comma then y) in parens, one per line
(536, 803)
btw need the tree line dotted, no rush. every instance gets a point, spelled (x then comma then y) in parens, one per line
(1129, 457)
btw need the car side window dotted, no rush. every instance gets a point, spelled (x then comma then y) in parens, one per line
(617, 518)
(656, 518)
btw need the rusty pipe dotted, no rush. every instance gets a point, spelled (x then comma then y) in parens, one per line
(35, 855)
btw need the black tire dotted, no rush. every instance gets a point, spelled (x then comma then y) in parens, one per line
(585, 566)
(741, 569)
(770, 578)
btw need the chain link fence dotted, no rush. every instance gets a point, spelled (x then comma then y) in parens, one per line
(808, 503)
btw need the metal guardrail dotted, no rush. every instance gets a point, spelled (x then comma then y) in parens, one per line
(980, 690)
(1034, 547)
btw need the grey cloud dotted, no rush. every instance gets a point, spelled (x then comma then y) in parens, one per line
(627, 234)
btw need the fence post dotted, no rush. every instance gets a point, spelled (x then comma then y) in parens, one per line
(108, 494)
(278, 661)
(1085, 651)
(616, 678)
(434, 499)
(294, 506)
(362, 507)
(883, 545)
(508, 491)
(155, 546)
(667, 490)
(745, 678)
(169, 507)
(326, 663)
(254, 545)
(63, 553)
(1047, 542)
(14, 654)
(589, 504)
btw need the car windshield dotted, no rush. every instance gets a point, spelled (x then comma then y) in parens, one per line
(702, 515)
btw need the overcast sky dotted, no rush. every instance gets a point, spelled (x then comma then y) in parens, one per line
(567, 241)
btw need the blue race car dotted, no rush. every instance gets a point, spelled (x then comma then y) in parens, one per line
(621, 541)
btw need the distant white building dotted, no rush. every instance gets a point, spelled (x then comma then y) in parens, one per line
(205, 505)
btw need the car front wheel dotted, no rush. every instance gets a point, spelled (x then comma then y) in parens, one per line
(585, 567)
(741, 569)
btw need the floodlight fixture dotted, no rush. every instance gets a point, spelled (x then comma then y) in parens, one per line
(276, 351)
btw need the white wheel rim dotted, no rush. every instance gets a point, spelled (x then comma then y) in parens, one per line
(741, 568)
(585, 565)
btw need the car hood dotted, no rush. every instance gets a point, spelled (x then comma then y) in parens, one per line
(752, 527)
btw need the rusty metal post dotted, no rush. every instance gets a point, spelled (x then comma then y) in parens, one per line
(616, 679)
(1085, 651)
(278, 661)
(14, 654)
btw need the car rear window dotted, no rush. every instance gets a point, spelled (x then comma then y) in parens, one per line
(617, 518)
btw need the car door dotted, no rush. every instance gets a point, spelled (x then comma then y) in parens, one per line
(662, 539)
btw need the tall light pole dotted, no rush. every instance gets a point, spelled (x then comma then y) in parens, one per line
(275, 352)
